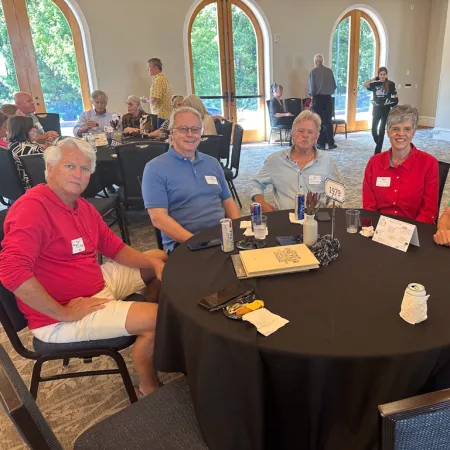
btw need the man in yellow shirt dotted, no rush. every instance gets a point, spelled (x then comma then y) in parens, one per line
(160, 91)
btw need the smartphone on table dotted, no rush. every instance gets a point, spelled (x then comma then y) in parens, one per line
(194, 246)
(217, 300)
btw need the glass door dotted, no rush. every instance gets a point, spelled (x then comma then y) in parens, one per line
(355, 59)
(226, 64)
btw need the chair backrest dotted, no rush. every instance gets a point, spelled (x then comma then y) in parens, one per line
(272, 119)
(225, 128)
(132, 160)
(443, 172)
(22, 409)
(11, 185)
(34, 166)
(420, 422)
(293, 105)
(211, 145)
(50, 122)
(236, 151)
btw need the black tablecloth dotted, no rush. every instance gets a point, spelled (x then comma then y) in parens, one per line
(108, 166)
(314, 384)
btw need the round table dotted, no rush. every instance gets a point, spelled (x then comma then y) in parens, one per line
(315, 383)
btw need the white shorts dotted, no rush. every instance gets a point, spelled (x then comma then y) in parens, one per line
(106, 323)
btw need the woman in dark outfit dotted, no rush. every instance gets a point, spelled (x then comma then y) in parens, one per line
(276, 108)
(384, 98)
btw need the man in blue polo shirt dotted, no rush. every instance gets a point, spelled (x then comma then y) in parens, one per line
(185, 191)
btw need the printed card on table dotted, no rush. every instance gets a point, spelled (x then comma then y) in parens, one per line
(335, 190)
(396, 234)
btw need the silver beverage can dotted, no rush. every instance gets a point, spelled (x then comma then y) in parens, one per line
(226, 235)
(415, 289)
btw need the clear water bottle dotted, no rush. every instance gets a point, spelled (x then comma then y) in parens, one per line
(91, 140)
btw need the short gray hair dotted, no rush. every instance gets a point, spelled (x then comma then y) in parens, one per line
(308, 115)
(183, 110)
(135, 98)
(402, 113)
(98, 93)
(53, 153)
(155, 62)
(318, 59)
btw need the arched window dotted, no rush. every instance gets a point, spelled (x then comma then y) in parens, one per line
(355, 59)
(227, 63)
(41, 52)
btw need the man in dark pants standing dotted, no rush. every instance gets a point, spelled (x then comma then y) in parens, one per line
(321, 86)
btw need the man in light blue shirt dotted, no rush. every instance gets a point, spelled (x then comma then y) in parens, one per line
(96, 119)
(300, 169)
(185, 191)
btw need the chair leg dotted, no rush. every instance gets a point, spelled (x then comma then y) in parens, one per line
(66, 362)
(35, 378)
(123, 225)
(231, 189)
(345, 130)
(236, 194)
(270, 135)
(281, 136)
(125, 375)
(335, 129)
(158, 236)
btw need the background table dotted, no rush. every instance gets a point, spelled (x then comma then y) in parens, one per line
(314, 384)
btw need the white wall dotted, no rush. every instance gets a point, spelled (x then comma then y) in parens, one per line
(125, 34)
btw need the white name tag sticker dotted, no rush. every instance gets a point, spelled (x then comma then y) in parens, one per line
(210, 179)
(383, 181)
(77, 246)
(335, 190)
(315, 179)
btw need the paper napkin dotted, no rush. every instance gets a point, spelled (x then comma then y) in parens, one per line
(265, 321)
(294, 220)
(245, 224)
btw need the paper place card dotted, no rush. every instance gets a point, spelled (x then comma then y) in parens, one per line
(292, 219)
(396, 234)
(100, 140)
(334, 190)
(249, 232)
(265, 322)
(245, 224)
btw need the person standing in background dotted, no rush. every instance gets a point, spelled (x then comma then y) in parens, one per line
(384, 98)
(320, 87)
(160, 92)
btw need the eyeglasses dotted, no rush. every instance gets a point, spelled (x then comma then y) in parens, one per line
(129, 104)
(185, 130)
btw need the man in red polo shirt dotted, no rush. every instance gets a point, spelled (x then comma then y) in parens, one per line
(402, 181)
(49, 261)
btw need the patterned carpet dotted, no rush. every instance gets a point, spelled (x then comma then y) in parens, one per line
(72, 406)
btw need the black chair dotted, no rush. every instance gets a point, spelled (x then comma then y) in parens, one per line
(235, 160)
(293, 105)
(34, 167)
(211, 144)
(49, 122)
(14, 321)
(337, 122)
(417, 423)
(164, 420)
(277, 126)
(443, 172)
(132, 160)
(11, 186)
(225, 128)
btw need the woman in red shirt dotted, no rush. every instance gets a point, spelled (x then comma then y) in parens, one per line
(402, 181)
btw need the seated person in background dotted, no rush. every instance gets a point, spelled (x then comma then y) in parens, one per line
(176, 101)
(9, 109)
(26, 107)
(3, 129)
(131, 122)
(193, 101)
(300, 169)
(22, 135)
(442, 236)
(49, 261)
(96, 119)
(402, 181)
(185, 191)
(276, 108)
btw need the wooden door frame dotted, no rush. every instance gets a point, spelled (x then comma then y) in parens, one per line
(226, 57)
(24, 56)
(352, 83)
